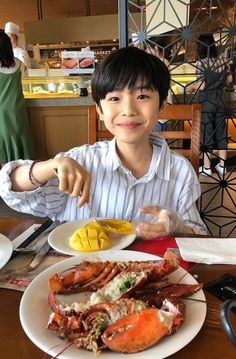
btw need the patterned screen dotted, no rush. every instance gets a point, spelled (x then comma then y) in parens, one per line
(196, 39)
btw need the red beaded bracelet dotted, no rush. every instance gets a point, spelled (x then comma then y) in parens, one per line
(32, 179)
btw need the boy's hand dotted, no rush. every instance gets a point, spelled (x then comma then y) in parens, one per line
(73, 179)
(166, 222)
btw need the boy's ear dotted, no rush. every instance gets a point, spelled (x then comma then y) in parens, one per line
(163, 105)
(100, 113)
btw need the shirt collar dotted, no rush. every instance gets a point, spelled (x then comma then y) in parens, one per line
(112, 158)
(160, 163)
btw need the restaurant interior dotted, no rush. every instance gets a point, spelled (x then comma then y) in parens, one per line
(66, 292)
(51, 27)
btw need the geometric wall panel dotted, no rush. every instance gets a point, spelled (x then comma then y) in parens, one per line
(177, 25)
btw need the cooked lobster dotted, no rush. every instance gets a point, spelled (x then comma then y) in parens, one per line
(131, 307)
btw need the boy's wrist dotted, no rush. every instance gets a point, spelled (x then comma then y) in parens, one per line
(181, 228)
(32, 178)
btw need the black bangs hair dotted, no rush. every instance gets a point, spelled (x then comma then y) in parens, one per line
(6, 51)
(127, 66)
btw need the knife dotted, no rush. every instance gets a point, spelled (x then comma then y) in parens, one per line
(32, 236)
(39, 257)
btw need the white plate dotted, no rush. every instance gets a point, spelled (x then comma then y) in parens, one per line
(35, 300)
(59, 238)
(5, 250)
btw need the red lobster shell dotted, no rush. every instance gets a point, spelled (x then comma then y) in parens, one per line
(135, 309)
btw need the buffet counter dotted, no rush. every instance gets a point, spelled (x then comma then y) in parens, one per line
(53, 85)
(57, 113)
(62, 101)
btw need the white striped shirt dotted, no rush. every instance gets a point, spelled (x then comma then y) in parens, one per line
(218, 65)
(170, 182)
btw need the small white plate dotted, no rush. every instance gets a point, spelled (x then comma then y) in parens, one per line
(59, 238)
(35, 300)
(5, 250)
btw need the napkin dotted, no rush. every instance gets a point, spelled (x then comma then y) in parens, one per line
(159, 247)
(208, 250)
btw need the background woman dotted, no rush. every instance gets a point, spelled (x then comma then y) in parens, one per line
(13, 31)
(15, 135)
(213, 74)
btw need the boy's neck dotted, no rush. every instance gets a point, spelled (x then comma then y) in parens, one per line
(135, 158)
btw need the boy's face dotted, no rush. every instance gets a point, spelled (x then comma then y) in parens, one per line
(130, 116)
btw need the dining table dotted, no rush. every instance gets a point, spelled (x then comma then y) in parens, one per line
(210, 342)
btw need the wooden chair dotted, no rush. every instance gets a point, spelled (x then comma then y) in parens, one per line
(96, 129)
(184, 125)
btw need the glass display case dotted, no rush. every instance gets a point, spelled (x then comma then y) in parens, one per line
(46, 83)
(49, 56)
(54, 87)
(182, 75)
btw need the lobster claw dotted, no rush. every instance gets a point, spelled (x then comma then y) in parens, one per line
(138, 331)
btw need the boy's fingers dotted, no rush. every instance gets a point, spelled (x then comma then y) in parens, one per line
(71, 183)
(85, 192)
(77, 189)
(63, 183)
(161, 228)
(154, 210)
(152, 234)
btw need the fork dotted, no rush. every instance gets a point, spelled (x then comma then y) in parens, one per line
(39, 257)
(41, 253)
(95, 218)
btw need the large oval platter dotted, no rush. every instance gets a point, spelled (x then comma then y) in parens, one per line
(35, 311)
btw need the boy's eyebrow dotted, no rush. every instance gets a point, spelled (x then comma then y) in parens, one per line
(135, 88)
(141, 87)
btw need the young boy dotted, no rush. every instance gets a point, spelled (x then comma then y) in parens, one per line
(129, 177)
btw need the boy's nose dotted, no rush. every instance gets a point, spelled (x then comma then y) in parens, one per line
(129, 109)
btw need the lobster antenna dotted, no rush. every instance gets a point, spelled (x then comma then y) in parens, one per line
(62, 351)
(191, 270)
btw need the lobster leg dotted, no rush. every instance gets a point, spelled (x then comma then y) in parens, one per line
(170, 291)
(90, 276)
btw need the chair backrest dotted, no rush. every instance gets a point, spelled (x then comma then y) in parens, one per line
(184, 133)
(96, 128)
(183, 126)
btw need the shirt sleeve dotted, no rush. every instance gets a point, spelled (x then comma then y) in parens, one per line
(199, 70)
(26, 59)
(187, 207)
(41, 202)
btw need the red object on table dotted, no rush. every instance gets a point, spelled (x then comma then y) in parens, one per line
(158, 247)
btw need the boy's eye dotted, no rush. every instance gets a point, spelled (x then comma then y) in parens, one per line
(113, 98)
(143, 97)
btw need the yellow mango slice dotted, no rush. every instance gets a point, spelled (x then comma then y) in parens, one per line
(94, 237)
(90, 237)
(104, 244)
(118, 226)
(80, 245)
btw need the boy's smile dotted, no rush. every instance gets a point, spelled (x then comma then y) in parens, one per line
(130, 115)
